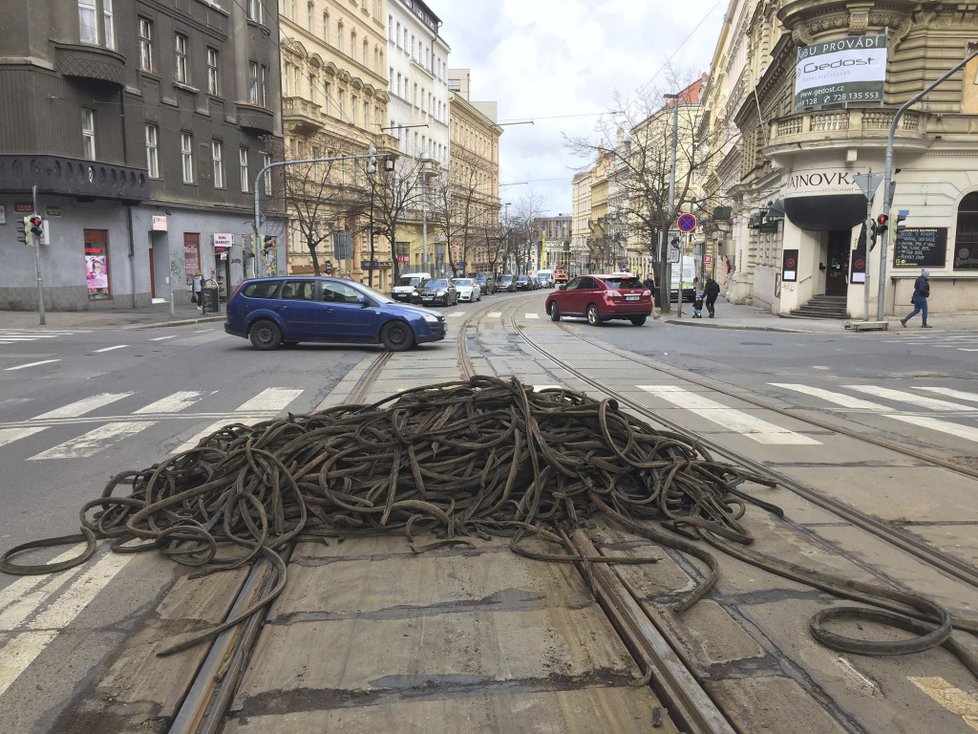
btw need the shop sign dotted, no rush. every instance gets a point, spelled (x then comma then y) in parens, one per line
(53, 211)
(223, 239)
(820, 182)
(159, 224)
(848, 70)
(23, 207)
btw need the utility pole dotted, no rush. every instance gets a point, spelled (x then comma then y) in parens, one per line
(888, 166)
(665, 278)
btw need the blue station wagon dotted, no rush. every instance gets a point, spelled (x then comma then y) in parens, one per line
(291, 309)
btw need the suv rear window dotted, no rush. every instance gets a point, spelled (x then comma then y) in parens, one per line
(623, 282)
(262, 289)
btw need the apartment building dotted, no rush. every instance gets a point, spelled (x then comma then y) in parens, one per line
(334, 105)
(575, 257)
(806, 141)
(142, 125)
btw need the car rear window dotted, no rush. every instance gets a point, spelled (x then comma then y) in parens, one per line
(262, 289)
(632, 282)
(462, 281)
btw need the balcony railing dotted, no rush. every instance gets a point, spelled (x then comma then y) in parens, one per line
(297, 110)
(844, 125)
(73, 177)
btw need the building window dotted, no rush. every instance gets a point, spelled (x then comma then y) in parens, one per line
(217, 159)
(310, 9)
(326, 27)
(145, 44)
(253, 82)
(313, 84)
(243, 169)
(213, 77)
(97, 264)
(88, 134)
(109, 24)
(254, 10)
(182, 75)
(266, 160)
(187, 157)
(339, 35)
(366, 51)
(152, 150)
(262, 80)
(87, 22)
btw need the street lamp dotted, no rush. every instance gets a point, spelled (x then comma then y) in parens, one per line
(424, 212)
(665, 279)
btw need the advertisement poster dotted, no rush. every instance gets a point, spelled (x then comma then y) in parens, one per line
(842, 71)
(97, 264)
(270, 255)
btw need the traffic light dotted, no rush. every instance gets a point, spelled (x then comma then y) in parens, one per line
(32, 230)
(372, 160)
(901, 220)
(881, 221)
(22, 229)
(36, 228)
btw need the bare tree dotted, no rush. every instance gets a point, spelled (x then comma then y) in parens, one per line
(398, 193)
(641, 145)
(458, 207)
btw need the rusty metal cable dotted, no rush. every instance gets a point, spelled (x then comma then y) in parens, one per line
(460, 460)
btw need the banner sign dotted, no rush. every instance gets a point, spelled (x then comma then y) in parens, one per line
(844, 71)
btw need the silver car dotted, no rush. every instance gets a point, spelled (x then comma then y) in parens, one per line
(468, 289)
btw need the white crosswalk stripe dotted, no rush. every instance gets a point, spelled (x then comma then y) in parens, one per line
(745, 424)
(846, 401)
(956, 394)
(905, 397)
(17, 336)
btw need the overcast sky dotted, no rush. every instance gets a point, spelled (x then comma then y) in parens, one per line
(558, 62)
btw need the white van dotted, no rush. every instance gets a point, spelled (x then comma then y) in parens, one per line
(545, 278)
(407, 285)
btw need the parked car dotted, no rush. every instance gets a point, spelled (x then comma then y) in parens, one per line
(486, 283)
(468, 289)
(524, 283)
(292, 309)
(545, 278)
(507, 283)
(438, 290)
(602, 297)
(407, 287)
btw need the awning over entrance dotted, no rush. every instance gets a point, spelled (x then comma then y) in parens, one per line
(826, 213)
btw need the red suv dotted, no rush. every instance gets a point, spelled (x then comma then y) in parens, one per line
(602, 297)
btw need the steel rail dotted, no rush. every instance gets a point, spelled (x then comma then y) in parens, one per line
(949, 564)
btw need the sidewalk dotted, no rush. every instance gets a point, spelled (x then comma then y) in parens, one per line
(729, 316)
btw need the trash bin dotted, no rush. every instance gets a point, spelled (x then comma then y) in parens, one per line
(210, 300)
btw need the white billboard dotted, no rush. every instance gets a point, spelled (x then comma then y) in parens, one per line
(843, 71)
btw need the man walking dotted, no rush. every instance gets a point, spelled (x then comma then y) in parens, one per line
(711, 290)
(921, 292)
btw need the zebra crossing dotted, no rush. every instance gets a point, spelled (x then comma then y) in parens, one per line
(957, 342)
(18, 336)
(934, 408)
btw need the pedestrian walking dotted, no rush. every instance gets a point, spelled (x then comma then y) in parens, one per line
(711, 290)
(921, 292)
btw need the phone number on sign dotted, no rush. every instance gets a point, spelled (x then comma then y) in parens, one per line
(852, 97)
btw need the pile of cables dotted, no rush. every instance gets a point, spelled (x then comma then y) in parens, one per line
(454, 461)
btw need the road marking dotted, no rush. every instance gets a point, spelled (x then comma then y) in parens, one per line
(750, 426)
(846, 401)
(163, 338)
(957, 394)
(531, 316)
(273, 400)
(32, 364)
(19, 599)
(936, 424)
(24, 648)
(89, 444)
(906, 397)
(453, 314)
(494, 314)
(109, 349)
(72, 410)
(950, 697)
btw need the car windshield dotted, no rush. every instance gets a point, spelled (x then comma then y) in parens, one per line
(523, 278)
(436, 283)
(409, 280)
(371, 293)
(505, 278)
(463, 281)
(623, 282)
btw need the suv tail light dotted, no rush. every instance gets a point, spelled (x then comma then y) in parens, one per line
(613, 295)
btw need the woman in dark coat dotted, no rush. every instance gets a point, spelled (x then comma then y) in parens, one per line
(921, 292)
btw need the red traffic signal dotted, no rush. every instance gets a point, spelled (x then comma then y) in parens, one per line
(35, 223)
(881, 221)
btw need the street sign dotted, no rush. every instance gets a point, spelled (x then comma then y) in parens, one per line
(687, 223)
(868, 183)
(672, 251)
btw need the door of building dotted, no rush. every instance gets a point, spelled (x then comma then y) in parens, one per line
(152, 274)
(837, 270)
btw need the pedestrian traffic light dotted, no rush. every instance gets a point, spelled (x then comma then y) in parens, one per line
(36, 227)
(22, 230)
(881, 221)
(30, 236)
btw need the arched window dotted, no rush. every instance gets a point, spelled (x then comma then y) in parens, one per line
(966, 234)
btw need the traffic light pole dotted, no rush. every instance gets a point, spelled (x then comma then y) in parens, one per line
(888, 166)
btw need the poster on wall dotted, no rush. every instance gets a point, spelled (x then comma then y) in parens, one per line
(97, 264)
(191, 257)
(842, 71)
(857, 268)
(789, 266)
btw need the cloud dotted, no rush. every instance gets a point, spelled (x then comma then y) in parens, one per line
(561, 62)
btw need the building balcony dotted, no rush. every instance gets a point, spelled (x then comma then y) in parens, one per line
(73, 177)
(90, 62)
(856, 127)
(302, 116)
(253, 117)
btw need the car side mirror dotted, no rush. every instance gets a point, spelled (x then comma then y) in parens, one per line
(363, 301)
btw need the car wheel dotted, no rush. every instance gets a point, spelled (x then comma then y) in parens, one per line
(397, 336)
(554, 312)
(592, 315)
(637, 320)
(265, 335)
